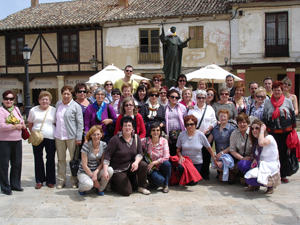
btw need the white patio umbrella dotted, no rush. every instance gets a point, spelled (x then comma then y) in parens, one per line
(113, 74)
(212, 73)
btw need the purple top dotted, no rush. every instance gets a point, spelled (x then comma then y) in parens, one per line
(90, 117)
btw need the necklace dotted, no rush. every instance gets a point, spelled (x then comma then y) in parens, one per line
(191, 137)
(96, 147)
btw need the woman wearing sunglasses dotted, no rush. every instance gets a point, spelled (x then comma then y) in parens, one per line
(206, 121)
(108, 85)
(153, 111)
(145, 83)
(224, 103)
(100, 113)
(266, 159)
(175, 112)
(116, 94)
(180, 85)
(130, 109)
(212, 96)
(256, 108)
(11, 125)
(163, 100)
(157, 80)
(190, 143)
(287, 85)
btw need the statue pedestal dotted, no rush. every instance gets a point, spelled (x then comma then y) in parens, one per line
(169, 83)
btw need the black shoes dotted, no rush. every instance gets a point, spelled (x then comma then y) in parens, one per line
(17, 189)
(7, 192)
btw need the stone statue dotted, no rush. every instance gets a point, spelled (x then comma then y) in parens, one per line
(172, 51)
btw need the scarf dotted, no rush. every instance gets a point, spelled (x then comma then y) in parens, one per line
(276, 106)
(169, 33)
(99, 109)
(11, 119)
(152, 110)
(259, 148)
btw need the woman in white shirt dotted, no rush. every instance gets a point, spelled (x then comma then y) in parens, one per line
(35, 120)
(206, 121)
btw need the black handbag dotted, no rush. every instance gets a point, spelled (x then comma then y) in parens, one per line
(110, 127)
(74, 164)
(291, 165)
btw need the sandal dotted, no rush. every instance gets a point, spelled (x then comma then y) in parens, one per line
(144, 191)
(166, 189)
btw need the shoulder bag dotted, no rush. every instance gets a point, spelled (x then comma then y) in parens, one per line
(25, 133)
(74, 164)
(202, 117)
(291, 165)
(36, 136)
(110, 127)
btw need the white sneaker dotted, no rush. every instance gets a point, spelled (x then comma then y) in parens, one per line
(144, 191)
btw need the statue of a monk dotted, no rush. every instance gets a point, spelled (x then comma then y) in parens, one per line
(172, 51)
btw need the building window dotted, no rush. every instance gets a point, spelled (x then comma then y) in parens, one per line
(68, 50)
(15, 50)
(277, 42)
(196, 34)
(149, 46)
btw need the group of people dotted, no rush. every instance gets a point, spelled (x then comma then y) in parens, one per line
(127, 132)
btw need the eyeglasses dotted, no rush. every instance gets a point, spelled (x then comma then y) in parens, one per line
(182, 81)
(154, 95)
(255, 128)
(94, 135)
(163, 93)
(100, 94)
(201, 98)
(224, 94)
(156, 80)
(11, 99)
(80, 91)
(108, 84)
(115, 94)
(189, 124)
(129, 71)
(155, 130)
(287, 84)
(128, 105)
(144, 83)
(174, 97)
(210, 94)
(260, 96)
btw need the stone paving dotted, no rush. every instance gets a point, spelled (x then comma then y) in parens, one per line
(209, 202)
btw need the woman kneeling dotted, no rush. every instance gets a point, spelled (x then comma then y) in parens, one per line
(266, 159)
(90, 173)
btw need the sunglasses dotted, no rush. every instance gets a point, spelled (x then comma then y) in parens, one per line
(108, 84)
(224, 94)
(129, 71)
(155, 130)
(156, 80)
(144, 83)
(255, 128)
(174, 97)
(154, 95)
(287, 84)
(115, 94)
(189, 124)
(210, 94)
(260, 96)
(79, 91)
(128, 105)
(11, 99)
(182, 81)
(201, 98)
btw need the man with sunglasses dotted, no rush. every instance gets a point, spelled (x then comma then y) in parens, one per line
(127, 79)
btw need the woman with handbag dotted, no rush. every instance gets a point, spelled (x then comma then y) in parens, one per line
(11, 126)
(206, 121)
(280, 119)
(124, 154)
(265, 165)
(153, 111)
(68, 133)
(175, 112)
(156, 152)
(90, 172)
(42, 119)
(100, 113)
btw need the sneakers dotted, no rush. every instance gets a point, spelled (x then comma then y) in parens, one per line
(101, 193)
(252, 188)
(82, 193)
(60, 186)
(144, 191)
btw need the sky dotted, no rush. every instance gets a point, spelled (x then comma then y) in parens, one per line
(8, 7)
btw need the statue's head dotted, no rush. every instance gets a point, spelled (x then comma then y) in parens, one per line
(173, 29)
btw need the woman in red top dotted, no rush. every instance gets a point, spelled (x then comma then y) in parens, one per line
(129, 108)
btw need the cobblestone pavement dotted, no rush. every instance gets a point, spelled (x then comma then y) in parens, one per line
(209, 202)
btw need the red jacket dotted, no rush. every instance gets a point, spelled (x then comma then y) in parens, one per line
(140, 126)
(293, 142)
(190, 173)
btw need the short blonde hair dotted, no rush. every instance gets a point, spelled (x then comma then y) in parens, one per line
(92, 130)
(187, 89)
(202, 80)
(261, 89)
(126, 85)
(45, 94)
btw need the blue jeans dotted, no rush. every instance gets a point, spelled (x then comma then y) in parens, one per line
(197, 166)
(161, 177)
